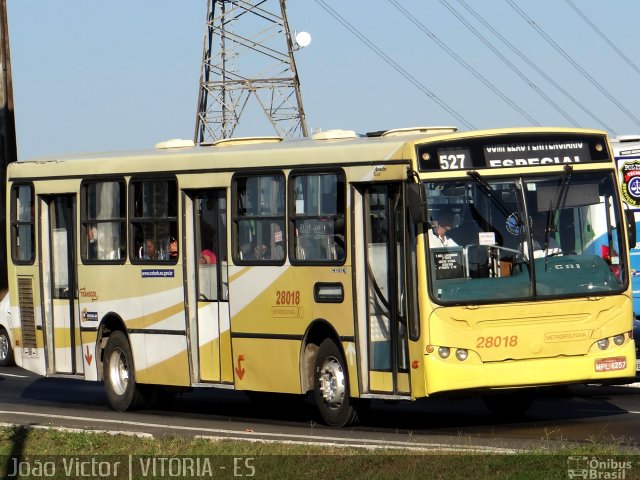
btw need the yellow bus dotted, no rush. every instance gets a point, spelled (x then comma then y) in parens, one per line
(394, 265)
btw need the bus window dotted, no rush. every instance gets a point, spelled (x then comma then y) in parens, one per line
(22, 218)
(154, 220)
(211, 244)
(318, 216)
(259, 219)
(103, 221)
(480, 213)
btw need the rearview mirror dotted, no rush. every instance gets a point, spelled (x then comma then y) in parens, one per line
(630, 217)
(417, 203)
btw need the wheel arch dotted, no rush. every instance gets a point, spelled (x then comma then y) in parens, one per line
(110, 323)
(318, 331)
(10, 359)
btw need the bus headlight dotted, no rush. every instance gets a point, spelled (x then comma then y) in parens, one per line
(444, 352)
(462, 354)
(618, 339)
(603, 343)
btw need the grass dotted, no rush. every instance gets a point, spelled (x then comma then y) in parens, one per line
(181, 457)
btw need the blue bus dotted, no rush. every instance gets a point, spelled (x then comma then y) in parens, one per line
(626, 151)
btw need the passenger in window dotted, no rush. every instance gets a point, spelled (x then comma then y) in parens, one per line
(148, 250)
(442, 223)
(92, 242)
(173, 248)
(259, 251)
(207, 257)
(209, 240)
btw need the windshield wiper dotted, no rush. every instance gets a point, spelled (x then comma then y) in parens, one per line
(559, 202)
(491, 193)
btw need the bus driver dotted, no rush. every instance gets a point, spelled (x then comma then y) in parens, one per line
(442, 223)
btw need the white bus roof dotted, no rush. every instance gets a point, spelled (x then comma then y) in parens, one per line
(334, 147)
(626, 138)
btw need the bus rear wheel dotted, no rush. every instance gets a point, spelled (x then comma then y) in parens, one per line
(6, 352)
(119, 377)
(331, 386)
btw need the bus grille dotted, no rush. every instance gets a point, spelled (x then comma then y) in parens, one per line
(27, 312)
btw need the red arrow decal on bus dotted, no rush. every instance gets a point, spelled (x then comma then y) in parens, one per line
(88, 356)
(239, 369)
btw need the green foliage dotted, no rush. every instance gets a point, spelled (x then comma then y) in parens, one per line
(280, 460)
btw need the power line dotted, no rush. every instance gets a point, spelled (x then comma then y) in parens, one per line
(572, 61)
(394, 64)
(603, 36)
(509, 64)
(456, 57)
(532, 64)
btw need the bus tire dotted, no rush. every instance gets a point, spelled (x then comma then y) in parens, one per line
(6, 351)
(331, 386)
(119, 376)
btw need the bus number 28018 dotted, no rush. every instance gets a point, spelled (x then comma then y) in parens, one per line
(288, 297)
(497, 341)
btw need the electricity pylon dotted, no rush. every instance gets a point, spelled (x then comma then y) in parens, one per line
(248, 63)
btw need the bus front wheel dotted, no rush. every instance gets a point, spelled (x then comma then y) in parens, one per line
(331, 386)
(119, 377)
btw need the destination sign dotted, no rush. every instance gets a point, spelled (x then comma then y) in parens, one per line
(513, 150)
(538, 153)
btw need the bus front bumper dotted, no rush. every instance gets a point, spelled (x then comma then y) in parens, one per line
(609, 366)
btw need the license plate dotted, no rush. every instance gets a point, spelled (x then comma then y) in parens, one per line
(611, 364)
(637, 365)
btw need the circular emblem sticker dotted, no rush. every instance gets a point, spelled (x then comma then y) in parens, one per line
(513, 224)
(631, 183)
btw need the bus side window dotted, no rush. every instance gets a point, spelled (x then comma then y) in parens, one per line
(22, 222)
(103, 219)
(317, 216)
(154, 218)
(258, 217)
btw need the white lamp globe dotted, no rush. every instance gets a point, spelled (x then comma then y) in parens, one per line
(303, 39)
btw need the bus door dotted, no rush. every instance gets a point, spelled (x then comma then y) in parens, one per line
(62, 331)
(382, 294)
(207, 285)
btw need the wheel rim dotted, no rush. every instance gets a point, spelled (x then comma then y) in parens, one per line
(118, 372)
(4, 347)
(332, 382)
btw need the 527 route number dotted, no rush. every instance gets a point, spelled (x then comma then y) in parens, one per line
(497, 341)
(452, 161)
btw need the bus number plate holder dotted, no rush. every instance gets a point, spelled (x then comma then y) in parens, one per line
(610, 364)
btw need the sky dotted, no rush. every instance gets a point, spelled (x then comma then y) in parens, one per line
(93, 75)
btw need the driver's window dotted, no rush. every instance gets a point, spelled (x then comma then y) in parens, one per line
(482, 219)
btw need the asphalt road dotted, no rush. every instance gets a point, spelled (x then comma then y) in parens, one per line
(589, 413)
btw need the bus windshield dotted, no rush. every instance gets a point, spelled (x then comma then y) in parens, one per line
(508, 238)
